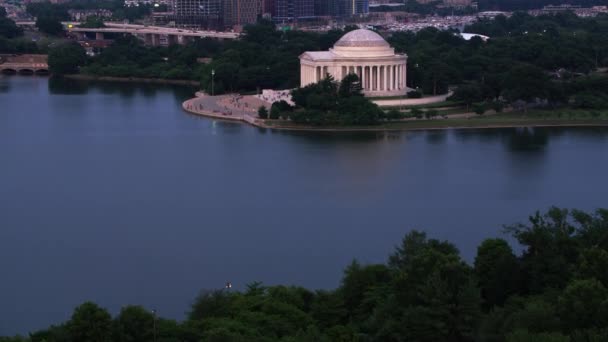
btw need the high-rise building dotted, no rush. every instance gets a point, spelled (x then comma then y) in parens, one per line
(360, 7)
(294, 9)
(198, 13)
(241, 12)
(268, 7)
(343, 8)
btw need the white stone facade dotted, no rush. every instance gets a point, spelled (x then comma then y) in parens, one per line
(381, 71)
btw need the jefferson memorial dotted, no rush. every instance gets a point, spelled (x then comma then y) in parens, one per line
(382, 72)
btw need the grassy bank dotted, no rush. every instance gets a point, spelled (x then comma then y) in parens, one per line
(539, 118)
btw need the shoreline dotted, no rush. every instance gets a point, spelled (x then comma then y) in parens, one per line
(403, 126)
(84, 77)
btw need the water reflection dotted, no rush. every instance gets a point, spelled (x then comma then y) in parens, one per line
(436, 136)
(65, 86)
(236, 202)
(5, 85)
(527, 139)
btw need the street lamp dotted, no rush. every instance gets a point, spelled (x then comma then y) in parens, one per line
(154, 324)
(212, 82)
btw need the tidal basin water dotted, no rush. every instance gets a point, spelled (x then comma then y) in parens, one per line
(111, 193)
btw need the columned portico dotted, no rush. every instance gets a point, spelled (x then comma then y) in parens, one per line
(362, 52)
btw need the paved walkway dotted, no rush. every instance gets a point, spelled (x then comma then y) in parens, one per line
(413, 102)
(226, 107)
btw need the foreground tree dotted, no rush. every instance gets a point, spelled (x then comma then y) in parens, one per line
(497, 271)
(134, 324)
(91, 323)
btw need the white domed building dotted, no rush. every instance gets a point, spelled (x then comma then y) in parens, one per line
(381, 71)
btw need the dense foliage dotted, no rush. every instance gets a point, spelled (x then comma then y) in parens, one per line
(127, 57)
(65, 58)
(527, 59)
(8, 28)
(11, 40)
(555, 290)
(549, 60)
(264, 58)
(331, 103)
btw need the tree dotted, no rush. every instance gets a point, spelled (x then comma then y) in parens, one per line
(275, 112)
(134, 324)
(2, 12)
(467, 93)
(479, 108)
(497, 271)
(550, 249)
(263, 112)
(8, 28)
(49, 25)
(431, 113)
(435, 298)
(526, 83)
(90, 323)
(416, 112)
(357, 285)
(350, 86)
(593, 263)
(66, 58)
(584, 305)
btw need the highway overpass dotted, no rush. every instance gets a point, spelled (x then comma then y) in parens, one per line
(151, 35)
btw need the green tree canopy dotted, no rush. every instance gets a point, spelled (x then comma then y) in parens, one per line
(66, 58)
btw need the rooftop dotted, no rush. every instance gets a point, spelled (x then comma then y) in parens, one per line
(361, 38)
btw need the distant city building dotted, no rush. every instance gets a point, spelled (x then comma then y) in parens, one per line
(449, 3)
(294, 9)
(198, 13)
(82, 15)
(241, 12)
(332, 8)
(269, 7)
(131, 3)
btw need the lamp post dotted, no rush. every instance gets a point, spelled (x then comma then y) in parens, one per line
(212, 82)
(154, 324)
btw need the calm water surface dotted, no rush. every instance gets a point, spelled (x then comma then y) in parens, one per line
(111, 193)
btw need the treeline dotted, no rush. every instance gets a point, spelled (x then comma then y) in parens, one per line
(333, 103)
(329, 103)
(11, 40)
(263, 58)
(546, 59)
(555, 290)
(550, 60)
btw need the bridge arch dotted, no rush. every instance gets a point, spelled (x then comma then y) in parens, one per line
(8, 71)
(42, 72)
(25, 71)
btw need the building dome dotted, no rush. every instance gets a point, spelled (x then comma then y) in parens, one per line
(361, 38)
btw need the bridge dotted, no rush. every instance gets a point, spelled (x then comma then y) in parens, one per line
(151, 35)
(24, 64)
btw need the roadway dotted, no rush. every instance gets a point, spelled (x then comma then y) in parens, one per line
(142, 29)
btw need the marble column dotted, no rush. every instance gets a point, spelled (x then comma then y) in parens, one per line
(404, 75)
(396, 77)
(376, 74)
